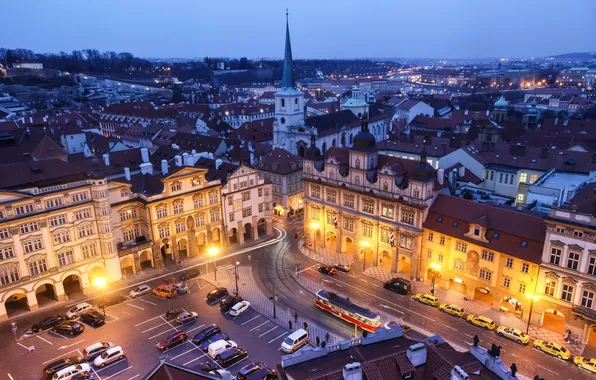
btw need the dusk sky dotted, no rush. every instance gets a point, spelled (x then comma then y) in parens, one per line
(319, 29)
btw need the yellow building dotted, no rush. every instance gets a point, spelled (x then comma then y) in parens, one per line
(487, 253)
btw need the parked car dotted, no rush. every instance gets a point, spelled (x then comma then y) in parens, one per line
(220, 346)
(216, 294)
(165, 291)
(112, 299)
(140, 290)
(186, 317)
(513, 334)
(206, 366)
(328, 270)
(227, 303)
(181, 288)
(69, 372)
(231, 356)
(553, 349)
(172, 340)
(174, 312)
(70, 328)
(59, 364)
(81, 376)
(585, 363)
(194, 272)
(264, 374)
(240, 308)
(77, 310)
(93, 317)
(481, 321)
(249, 369)
(342, 267)
(212, 339)
(427, 299)
(399, 285)
(205, 333)
(48, 323)
(452, 309)
(109, 356)
(96, 349)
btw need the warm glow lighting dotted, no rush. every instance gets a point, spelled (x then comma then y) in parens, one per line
(458, 280)
(99, 282)
(212, 251)
(436, 267)
(530, 296)
(365, 244)
(314, 225)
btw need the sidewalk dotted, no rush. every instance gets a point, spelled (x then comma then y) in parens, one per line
(324, 255)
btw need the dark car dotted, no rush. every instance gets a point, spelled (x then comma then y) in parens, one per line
(206, 333)
(227, 303)
(399, 285)
(110, 300)
(174, 313)
(172, 340)
(195, 272)
(328, 270)
(93, 318)
(48, 323)
(213, 338)
(249, 369)
(81, 376)
(217, 294)
(206, 366)
(70, 328)
(231, 356)
(59, 364)
(263, 374)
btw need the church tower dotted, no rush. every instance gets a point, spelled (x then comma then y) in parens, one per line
(289, 105)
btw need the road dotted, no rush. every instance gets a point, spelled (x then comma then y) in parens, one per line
(278, 266)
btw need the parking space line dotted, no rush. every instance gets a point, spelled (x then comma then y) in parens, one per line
(274, 339)
(190, 361)
(57, 334)
(113, 316)
(195, 328)
(45, 340)
(254, 328)
(126, 314)
(163, 332)
(148, 320)
(22, 345)
(138, 307)
(178, 345)
(56, 358)
(70, 345)
(135, 376)
(10, 377)
(268, 331)
(154, 327)
(108, 366)
(149, 302)
(117, 373)
(96, 375)
(184, 353)
(250, 320)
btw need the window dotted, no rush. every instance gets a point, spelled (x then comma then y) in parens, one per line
(82, 214)
(405, 242)
(496, 236)
(440, 219)
(511, 179)
(247, 212)
(357, 180)
(385, 235)
(124, 193)
(176, 186)
(331, 196)
(61, 237)
(560, 230)
(246, 196)
(180, 227)
(130, 234)
(200, 220)
(27, 228)
(162, 212)
(367, 230)
(488, 255)
(37, 266)
(178, 207)
(486, 274)
(213, 198)
(592, 266)
(8, 275)
(80, 197)
(214, 215)
(266, 191)
(431, 236)
(357, 163)
(128, 214)
(523, 177)
(407, 216)
(506, 282)
(578, 233)
(55, 202)
(442, 240)
(587, 299)
(231, 216)
(4, 233)
(461, 246)
(24, 209)
(509, 263)
(440, 257)
(455, 223)
(65, 258)
(549, 288)
(533, 178)
(349, 201)
(368, 206)
(198, 201)
(2, 216)
(85, 231)
(525, 268)
(555, 256)
(429, 254)
(459, 264)
(573, 260)
(348, 224)
(164, 231)
(567, 293)
(387, 211)
(315, 213)
(520, 198)
(196, 181)
(476, 231)
(524, 244)
(501, 177)
(260, 207)
(6, 252)
(416, 193)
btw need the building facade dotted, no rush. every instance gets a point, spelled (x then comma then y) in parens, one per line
(284, 171)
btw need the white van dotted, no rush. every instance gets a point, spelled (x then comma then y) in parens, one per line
(220, 346)
(295, 341)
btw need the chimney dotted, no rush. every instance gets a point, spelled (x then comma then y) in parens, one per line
(544, 152)
(416, 353)
(465, 112)
(461, 171)
(352, 371)
(175, 146)
(441, 176)
(145, 154)
(186, 158)
(164, 167)
(106, 159)
(146, 168)
(453, 177)
(178, 159)
(556, 120)
(127, 173)
(458, 374)
(218, 163)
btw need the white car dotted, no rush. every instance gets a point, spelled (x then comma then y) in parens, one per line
(77, 310)
(186, 317)
(239, 308)
(109, 356)
(69, 372)
(140, 290)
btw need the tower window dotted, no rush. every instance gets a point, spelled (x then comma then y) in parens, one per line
(283, 102)
(296, 101)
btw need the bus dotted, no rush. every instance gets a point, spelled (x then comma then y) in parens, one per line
(344, 308)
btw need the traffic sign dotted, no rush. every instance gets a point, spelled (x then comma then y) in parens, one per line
(14, 328)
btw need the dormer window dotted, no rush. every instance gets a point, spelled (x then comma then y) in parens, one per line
(476, 231)
(357, 163)
(455, 224)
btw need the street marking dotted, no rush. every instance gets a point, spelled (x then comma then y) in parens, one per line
(117, 373)
(131, 305)
(56, 358)
(125, 313)
(468, 335)
(312, 266)
(163, 332)
(149, 302)
(154, 327)
(195, 328)
(376, 285)
(250, 320)
(192, 360)
(454, 329)
(135, 376)
(148, 320)
(184, 353)
(538, 365)
(108, 366)
(392, 308)
(363, 280)
(274, 339)
(22, 345)
(268, 331)
(57, 334)
(45, 340)
(338, 285)
(10, 377)
(70, 345)
(254, 328)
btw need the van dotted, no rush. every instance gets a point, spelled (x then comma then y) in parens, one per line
(399, 285)
(165, 291)
(295, 341)
(220, 346)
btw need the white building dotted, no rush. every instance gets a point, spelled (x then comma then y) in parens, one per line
(409, 109)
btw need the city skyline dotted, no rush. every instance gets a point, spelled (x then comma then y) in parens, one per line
(333, 30)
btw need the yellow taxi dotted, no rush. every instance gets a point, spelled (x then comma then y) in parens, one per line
(553, 349)
(585, 363)
(427, 299)
(513, 334)
(452, 309)
(481, 321)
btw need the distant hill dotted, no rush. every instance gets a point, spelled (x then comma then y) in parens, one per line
(578, 56)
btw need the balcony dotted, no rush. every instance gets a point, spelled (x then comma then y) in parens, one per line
(139, 244)
(584, 312)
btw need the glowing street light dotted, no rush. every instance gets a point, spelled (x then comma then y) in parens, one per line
(100, 283)
(533, 298)
(315, 228)
(213, 252)
(365, 244)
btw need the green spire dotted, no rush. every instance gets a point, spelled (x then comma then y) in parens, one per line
(287, 69)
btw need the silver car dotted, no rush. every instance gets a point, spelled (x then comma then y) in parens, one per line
(140, 290)
(186, 317)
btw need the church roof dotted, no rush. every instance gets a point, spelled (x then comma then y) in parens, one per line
(287, 81)
(501, 103)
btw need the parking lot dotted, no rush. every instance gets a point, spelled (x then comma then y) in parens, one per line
(137, 325)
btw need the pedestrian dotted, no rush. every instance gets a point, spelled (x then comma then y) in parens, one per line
(326, 337)
(290, 324)
(305, 325)
(295, 317)
(318, 341)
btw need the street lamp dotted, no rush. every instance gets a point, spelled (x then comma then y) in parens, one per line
(100, 283)
(212, 252)
(315, 227)
(436, 268)
(532, 298)
(364, 244)
(236, 275)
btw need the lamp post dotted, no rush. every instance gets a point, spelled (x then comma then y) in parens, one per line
(236, 275)
(315, 227)
(436, 268)
(532, 298)
(364, 244)
(212, 252)
(100, 283)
